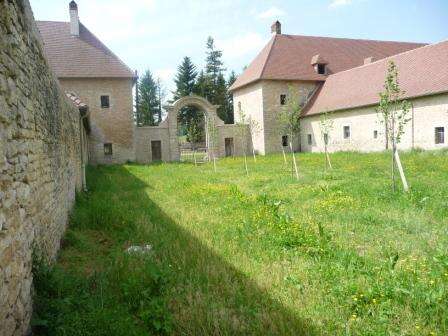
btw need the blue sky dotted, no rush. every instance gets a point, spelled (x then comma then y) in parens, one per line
(157, 34)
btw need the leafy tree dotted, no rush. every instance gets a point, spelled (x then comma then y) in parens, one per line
(212, 131)
(394, 115)
(289, 121)
(326, 126)
(242, 132)
(148, 109)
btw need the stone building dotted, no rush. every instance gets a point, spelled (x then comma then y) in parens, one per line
(87, 69)
(351, 97)
(309, 64)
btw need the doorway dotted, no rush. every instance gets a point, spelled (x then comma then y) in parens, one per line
(156, 150)
(229, 146)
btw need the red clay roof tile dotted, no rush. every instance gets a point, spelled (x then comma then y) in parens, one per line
(422, 71)
(288, 57)
(82, 56)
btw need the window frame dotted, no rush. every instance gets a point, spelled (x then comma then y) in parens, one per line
(349, 132)
(439, 136)
(323, 67)
(108, 149)
(107, 97)
(283, 99)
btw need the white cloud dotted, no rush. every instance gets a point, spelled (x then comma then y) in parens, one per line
(273, 12)
(165, 74)
(241, 45)
(115, 19)
(339, 3)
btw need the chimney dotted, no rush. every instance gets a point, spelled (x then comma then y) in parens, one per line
(74, 19)
(369, 60)
(276, 28)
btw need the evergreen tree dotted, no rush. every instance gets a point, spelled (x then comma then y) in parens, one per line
(230, 113)
(185, 85)
(214, 64)
(149, 105)
(185, 79)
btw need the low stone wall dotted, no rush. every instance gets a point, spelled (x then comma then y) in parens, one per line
(40, 166)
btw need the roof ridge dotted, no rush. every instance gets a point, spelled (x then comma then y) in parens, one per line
(274, 38)
(354, 39)
(386, 58)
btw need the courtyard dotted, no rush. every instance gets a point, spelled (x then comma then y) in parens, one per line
(174, 248)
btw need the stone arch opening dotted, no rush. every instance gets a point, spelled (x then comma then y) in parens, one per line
(210, 117)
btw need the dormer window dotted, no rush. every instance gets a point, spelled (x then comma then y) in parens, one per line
(321, 69)
(319, 64)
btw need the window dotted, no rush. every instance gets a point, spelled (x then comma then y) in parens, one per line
(321, 69)
(105, 102)
(326, 138)
(346, 132)
(310, 139)
(107, 149)
(285, 141)
(440, 135)
(282, 99)
(375, 134)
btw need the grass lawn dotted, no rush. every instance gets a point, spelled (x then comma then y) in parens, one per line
(335, 253)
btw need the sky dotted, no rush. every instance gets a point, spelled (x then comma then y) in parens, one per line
(157, 34)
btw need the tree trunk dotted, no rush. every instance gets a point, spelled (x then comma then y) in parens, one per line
(327, 159)
(245, 164)
(253, 153)
(294, 160)
(214, 163)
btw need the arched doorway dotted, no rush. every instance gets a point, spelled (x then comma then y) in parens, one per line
(211, 120)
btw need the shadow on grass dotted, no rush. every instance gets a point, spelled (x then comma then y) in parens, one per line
(205, 294)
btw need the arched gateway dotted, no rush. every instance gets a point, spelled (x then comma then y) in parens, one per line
(160, 143)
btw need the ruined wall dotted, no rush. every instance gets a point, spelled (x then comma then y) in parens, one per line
(39, 161)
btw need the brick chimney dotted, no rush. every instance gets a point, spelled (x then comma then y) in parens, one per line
(74, 19)
(276, 28)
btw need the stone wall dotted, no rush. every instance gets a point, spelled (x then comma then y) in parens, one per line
(427, 112)
(261, 101)
(40, 164)
(114, 124)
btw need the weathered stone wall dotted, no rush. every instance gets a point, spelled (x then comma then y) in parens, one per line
(144, 136)
(261, 101)
(40, 166)
(427, 114)
(114, 124)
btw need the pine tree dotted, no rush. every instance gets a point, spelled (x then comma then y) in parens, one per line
(214, 64)
(185, 79)
(229, 99)
(149, 105)
(185, 85)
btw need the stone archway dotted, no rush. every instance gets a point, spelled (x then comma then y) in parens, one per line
(171, 121)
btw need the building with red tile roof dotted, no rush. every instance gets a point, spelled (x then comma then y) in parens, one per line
(95, 77)
(343, 76)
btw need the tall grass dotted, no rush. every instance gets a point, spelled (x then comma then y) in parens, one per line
(335, 253)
